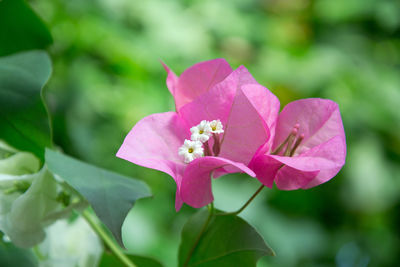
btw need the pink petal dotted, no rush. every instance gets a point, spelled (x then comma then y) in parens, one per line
(316, 166)
(178, 197)
(196, 182)
(217, 102)
(239, 77)
(265, 169)
(245, 131)
(154, 142)
(172, 79)
(334, 151)
(268, 169)
(199, 78)
(266, 104)
(298, 178)
(319, 121)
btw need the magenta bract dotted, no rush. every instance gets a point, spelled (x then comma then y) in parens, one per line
(253, 140)
(321, 149)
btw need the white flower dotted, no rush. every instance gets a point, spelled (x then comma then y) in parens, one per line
(27, 196)
(216, 127)
(70, 244)
(191, 150)
(23, 215)
(201, 132)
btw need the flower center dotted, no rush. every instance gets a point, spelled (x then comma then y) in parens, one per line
(199, 146)
(291, 142)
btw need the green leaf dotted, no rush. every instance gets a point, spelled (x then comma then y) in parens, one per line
(228, 240)
(111, 195)
(21, 28)
(11, 255)
(24, 122)
(140, 261)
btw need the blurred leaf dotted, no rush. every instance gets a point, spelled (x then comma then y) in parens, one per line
(140, 261)
(24, 216)
(227, 241)
(111, 195)
(21, 28)
(24, 120)
(14, 162)
(10, 255)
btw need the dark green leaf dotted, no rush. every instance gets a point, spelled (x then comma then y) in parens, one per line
(21, 28)
(108, 260)
(10, 255)
(227, 241)
(111, 195)
(24, 120)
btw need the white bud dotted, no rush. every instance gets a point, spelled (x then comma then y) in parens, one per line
(216, 127)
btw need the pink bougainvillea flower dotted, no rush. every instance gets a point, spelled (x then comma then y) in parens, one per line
(309, 147)
(217, 128)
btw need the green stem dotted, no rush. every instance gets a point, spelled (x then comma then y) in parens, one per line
(107, 240)
(245, 204)
(38, 253)
(66, 211)
(203, 229)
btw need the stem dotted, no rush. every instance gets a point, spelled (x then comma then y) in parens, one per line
(207, 151)
(211, 207)
(66, 211)
(245, 204)
(107, 240)
(203, 229)
(38, 253)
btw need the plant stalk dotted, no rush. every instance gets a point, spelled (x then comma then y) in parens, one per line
(245, 204)
(107, 240)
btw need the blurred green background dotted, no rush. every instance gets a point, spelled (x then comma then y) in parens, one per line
(107, 76)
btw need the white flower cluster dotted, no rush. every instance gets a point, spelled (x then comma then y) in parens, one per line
(193, 149)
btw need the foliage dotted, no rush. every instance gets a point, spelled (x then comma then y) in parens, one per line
(140, 261)
(31, 199)
(21, 28)
(111, 195)
(23, 115)
(228, 240)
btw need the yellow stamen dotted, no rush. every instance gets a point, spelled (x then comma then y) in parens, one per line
(190, 150)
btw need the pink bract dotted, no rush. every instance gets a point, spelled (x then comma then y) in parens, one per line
(208, 90)
(196, 80)
(320, 154)
(251, 143)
